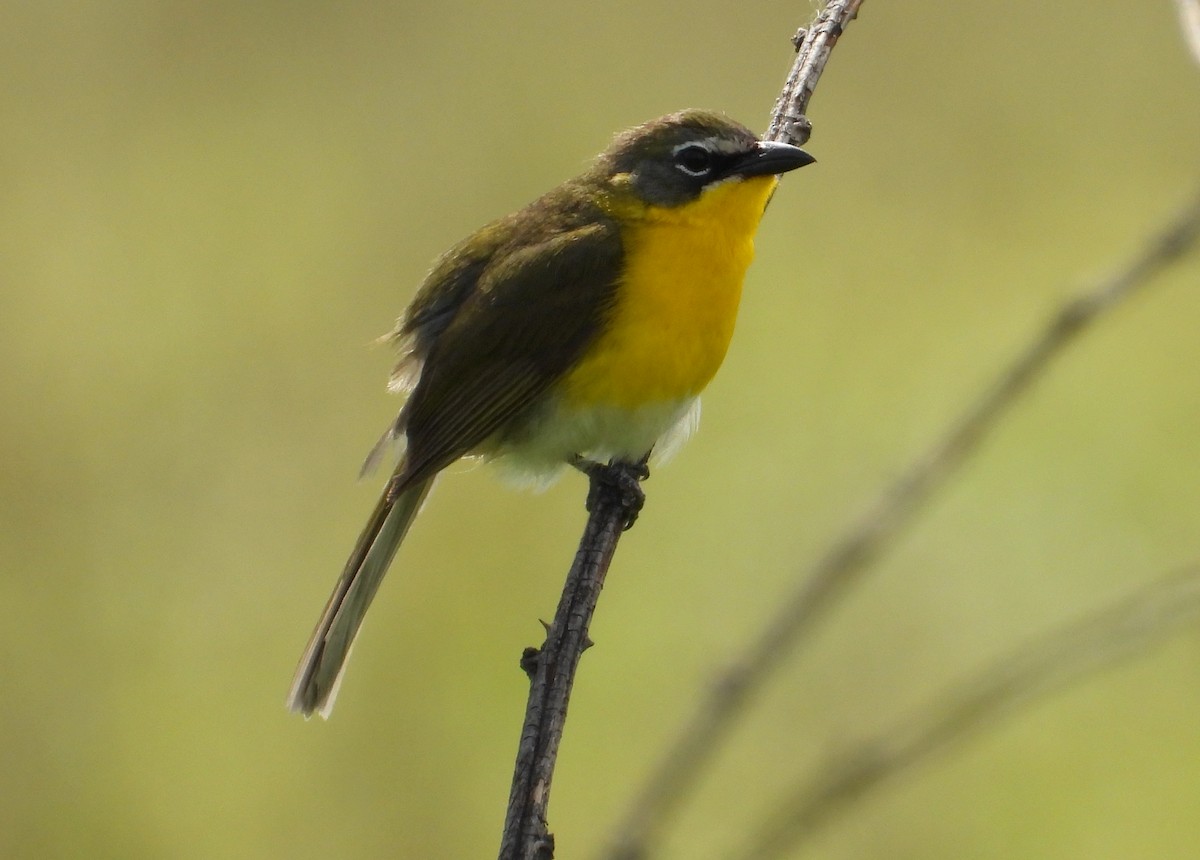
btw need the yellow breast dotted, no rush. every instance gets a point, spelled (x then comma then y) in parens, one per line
(677, 302)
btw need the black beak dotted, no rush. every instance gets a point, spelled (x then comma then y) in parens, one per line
(769, 158)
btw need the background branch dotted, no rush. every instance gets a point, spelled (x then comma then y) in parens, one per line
(1118, 632)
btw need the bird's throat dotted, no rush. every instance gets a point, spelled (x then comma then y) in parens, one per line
(677, 302)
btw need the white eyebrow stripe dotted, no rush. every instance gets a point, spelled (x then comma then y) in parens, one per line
(722, 145)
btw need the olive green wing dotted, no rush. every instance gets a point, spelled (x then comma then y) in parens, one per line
(532, 314)
(447, 286)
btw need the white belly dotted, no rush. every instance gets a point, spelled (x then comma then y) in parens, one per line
(536, 453)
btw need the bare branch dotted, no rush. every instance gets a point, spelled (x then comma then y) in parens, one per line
(849, 557)
(1119, 632)
(813, 46)
(613, 502)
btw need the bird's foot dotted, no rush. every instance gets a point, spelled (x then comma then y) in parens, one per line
(619, 477)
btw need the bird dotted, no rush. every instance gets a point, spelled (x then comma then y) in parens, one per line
(580, 328)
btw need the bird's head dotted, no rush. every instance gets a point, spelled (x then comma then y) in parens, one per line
(673, 160)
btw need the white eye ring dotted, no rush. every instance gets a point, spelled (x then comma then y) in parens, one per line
(693, 159)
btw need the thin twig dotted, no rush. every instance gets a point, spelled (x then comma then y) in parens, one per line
(551, 669)
(852, 554)
(1054, 662)
(813, 46)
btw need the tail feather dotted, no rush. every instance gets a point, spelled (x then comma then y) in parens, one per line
(320, 671)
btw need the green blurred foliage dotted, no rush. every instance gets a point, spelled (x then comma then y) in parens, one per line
(209, 211)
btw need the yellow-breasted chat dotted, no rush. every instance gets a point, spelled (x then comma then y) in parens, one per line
(584, 325)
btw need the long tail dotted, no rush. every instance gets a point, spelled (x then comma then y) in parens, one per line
(320, 671)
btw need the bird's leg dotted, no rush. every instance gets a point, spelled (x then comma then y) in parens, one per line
(624, 477)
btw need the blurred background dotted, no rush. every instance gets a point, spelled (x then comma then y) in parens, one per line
(211, 209)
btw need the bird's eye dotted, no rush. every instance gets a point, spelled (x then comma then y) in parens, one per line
(694, 160)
